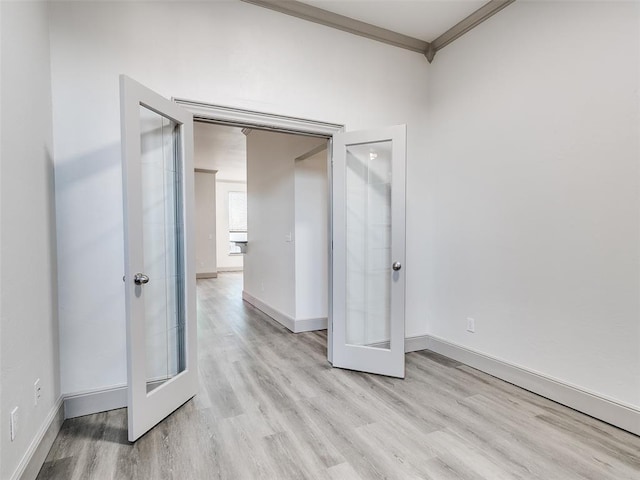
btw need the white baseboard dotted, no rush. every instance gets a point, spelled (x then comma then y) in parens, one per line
(206, 275)
(229, 269)
(36, 454)
(310, 324)
(95, 401)
(414, 344)
(623, 416)
(294, 325)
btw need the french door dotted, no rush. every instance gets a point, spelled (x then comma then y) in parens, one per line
(157, 152)
(368, 250)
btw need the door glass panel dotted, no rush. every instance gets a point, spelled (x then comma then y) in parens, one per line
(163, 248)
(368, 244)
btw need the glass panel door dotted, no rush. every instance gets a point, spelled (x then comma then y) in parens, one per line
(162, 247)
(157, 145)
(368, 296)
(368, 261)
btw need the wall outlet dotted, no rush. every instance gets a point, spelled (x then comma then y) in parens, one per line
(471, 325)
(37, 391)
(14, 423)
(288, 237)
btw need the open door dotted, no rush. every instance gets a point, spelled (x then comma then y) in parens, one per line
(157, 156)
(368, 250)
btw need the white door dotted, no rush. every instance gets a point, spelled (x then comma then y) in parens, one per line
(157, 156)
(368, 250)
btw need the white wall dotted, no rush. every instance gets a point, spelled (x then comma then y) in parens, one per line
(28, 305)
(205, 193)
(269, 264)
(226, 261)
(522, 179)
(228, 53)
(311, 235)
(532, 223)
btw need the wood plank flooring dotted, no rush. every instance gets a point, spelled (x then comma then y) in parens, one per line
(271, 407)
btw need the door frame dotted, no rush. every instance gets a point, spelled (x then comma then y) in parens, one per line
(238, 117)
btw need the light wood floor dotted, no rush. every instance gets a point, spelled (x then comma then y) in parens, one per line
(271, 407)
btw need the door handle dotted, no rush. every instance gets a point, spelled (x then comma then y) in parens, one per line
(140, 279)
(396, 266)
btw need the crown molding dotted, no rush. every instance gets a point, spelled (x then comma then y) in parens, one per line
(485, 12)
(340, 22)
(373, 32)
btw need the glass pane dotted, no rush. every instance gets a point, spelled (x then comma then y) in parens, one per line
(162, 242)
(368, 230)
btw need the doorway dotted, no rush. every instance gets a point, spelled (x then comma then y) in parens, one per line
(355, 159)
(366, 171)
(262, 214)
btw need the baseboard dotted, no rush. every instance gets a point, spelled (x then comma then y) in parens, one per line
(296, 326)
(36, 454)
(95, 401)
(623, 416)
(206, 275)
(310, 324)
(414, 344)
(229, 269)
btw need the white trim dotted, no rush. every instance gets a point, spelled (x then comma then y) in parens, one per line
(310, 324)
(341, 22)
(616, 413)
(36, 454)
(284, 320)
(222, 180)
(250, 119)
(414, 344)
(295, 326)
(230, 269)
(95, 401)
(608, 410)
(259, 120)
(202, 275)
(485, 12)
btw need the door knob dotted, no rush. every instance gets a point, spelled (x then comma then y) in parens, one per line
(396, 266)
(140, 279)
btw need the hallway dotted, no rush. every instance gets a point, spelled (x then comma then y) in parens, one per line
(271, 407)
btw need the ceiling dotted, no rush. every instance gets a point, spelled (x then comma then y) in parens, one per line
(424, 26)
(422, 19)
(224, 149)
(221, 148)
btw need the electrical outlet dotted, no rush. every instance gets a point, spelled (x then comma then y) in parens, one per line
(14, 423)
(471, 325)
(37, 392)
